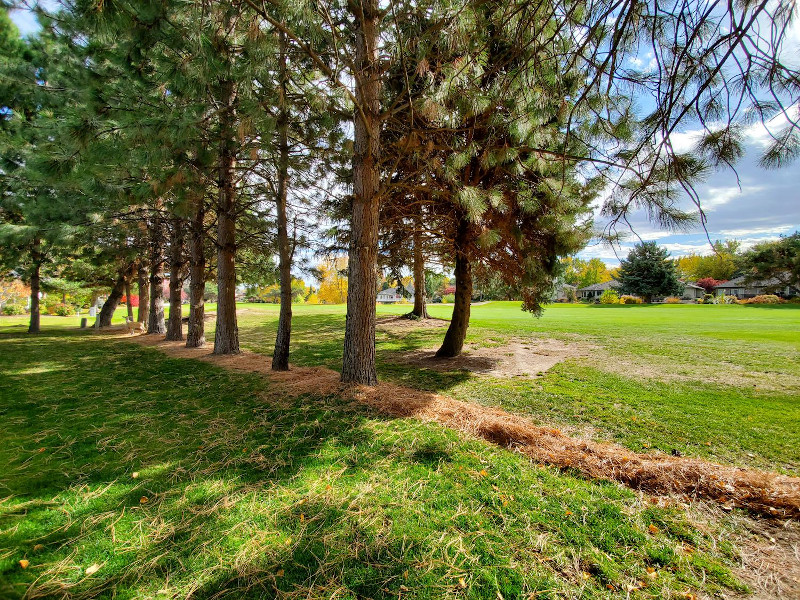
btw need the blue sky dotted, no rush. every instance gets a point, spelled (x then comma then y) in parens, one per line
(760, 205)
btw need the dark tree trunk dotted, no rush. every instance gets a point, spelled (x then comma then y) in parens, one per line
(196, 337)
(155, 320)
(420, 308)
(111, 304)
(358, 364)
(226, 338)
(34, 326)
(280, 356)
(144, 294)
(457, 331)
(176, 263)
(128, 298)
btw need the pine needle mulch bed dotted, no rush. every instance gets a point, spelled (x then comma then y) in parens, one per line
(764, 493)
(126, 473)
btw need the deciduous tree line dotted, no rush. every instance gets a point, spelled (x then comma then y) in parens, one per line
(212, 140)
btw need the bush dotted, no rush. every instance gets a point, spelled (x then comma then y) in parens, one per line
(60, 309)
(609, 297)
(13, 309)
(449, 298)
(672, 300)
(764, 299)
(627, 299)
(709, 299)
(730, 300)
(794, 300)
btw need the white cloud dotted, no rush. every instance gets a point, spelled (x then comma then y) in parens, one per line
(775, 231)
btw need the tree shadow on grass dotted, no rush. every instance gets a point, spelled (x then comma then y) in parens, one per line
(245, 494)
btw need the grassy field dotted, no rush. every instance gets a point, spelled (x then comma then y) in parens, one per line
(125, 473)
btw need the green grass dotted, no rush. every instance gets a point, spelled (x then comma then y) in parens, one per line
(720, 382)
(242, 493)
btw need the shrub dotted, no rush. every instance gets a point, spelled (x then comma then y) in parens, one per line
(60, 309)
(709, 283)
(571, 295)
(672, 300)
(709, 299)
(609, 297)
(764, 299)
(794, 300)
(13, 309)
(627, 299)
(730, 300)
(449, 298)
(312, 299)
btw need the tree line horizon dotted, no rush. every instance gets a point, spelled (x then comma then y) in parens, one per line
(205, 139)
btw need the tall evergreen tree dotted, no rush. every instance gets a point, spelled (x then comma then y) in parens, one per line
(649, 272)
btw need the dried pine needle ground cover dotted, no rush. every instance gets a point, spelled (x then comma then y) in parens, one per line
(129, 474)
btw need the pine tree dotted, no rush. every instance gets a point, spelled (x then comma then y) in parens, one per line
(648, 272)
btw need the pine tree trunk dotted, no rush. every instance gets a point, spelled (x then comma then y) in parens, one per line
(176, 261)
(155, 320)
(457, 331)
(420, 308)
(34, 326)
(112, 302)
(144, 294)
(196, 337)
(226, 338)
(128, 298)
(280, 356)
(358, 364)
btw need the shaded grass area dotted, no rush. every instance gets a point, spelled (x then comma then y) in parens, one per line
(240, 493)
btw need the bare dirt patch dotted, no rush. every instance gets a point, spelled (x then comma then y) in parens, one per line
(393, 324)
(761, 492)
(517, 358)
(770, 555)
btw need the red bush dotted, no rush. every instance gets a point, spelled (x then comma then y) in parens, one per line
(134, 300)
(709, 283)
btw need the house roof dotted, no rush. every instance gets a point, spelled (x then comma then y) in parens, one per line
(692, 285)
(599, 287)
(396, 290)
(740, 282)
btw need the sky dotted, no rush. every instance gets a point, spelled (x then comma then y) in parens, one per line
(760, 205)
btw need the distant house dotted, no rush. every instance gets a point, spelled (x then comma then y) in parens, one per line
(737, 287)
(692, 291)
(591, 292)
(395, 294)
(563, 292)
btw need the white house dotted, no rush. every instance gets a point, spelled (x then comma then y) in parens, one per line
(394, 294)
(692, 291)
(737, 287)
(596, 290)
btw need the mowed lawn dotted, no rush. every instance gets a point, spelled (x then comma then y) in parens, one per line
(721, 382)
(128, 474)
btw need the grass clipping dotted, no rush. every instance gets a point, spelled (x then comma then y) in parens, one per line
(764, 493)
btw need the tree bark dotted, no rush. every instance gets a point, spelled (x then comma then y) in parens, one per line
(457, 331)
(420, 308)
(155, 321)
(176, 263)
(34, 326)
(358, 364)
(144, 294)
(128, 298)
(196, 337)
(112, 302)
(226, 338)
(280, 356)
